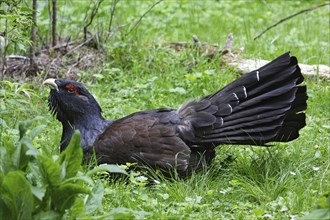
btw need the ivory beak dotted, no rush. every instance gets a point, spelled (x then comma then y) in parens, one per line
(51, 83)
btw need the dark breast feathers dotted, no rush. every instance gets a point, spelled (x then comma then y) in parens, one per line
(146, 137)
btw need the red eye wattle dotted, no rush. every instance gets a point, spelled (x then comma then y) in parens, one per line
(71, 89)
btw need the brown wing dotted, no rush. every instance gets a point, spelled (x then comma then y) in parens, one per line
(143, 137)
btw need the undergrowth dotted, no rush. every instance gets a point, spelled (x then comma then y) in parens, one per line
(283, 181)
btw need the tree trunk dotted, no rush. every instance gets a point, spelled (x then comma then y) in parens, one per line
(3, 51)
(33, 33)
(54, 42)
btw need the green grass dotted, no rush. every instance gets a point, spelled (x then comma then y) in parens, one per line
(280, 182)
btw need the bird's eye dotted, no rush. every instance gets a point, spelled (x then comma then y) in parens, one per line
(71, 89)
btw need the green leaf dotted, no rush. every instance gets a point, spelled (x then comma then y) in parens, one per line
(3, 123)
(19, 158)
(49, 170)
(23, 127)
(38, 192)
(76, 209)
(179, 90)
(35, 131)
(21, 47)
(111, 168)
(94, 201)
(317, 214)
(324, 201)
(47, 215)
(16, 197)
(64, 196)
(71, 158)
(23, 153)
(323, 211)
(80, 178)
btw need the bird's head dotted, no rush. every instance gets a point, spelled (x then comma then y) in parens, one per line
(71, 101)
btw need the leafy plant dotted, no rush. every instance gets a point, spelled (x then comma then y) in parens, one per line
(322, 210)
(35, 185)
(281, 182)
(16, 18)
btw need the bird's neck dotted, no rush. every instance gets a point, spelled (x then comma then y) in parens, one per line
(90, 127)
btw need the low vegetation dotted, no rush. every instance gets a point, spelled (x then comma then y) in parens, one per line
(283, 181)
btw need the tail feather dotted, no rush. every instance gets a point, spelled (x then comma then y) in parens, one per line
(240, 123)
(262, 106)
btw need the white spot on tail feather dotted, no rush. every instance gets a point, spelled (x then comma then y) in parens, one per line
(221, 122)
(231, 108)
(245, 93)
(257, 74)
(236, 97)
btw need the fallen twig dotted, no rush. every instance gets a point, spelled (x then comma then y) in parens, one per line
(80, 45)
(291, 16)
(18, 57)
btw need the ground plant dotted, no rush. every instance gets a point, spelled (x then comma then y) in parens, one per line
(139, 72)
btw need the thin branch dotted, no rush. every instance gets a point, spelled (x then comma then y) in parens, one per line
(291, 16)
(112, 13)
(93, 13)
(140, 19)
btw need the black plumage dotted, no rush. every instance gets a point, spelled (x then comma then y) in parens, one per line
(265, 105)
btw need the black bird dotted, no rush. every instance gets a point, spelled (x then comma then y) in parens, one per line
(265, 105)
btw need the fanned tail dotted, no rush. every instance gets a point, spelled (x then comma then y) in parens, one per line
(262, 106)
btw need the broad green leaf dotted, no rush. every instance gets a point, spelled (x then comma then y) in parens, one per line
(4, 213)
(35, 131)
(38, 192)
(50, 171)
(122, 213)
(23, 126)
(317, 214)
(64, 196)
(94, 200)
(16, 195)
(19, 157)
(111, 168)
(3, 123)
(77, 208)
(71, 158)
(21, 47)
(324, 201)
(38, 188)
(47, 215)
(80, 178)
(322, 211)
(23, 153)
